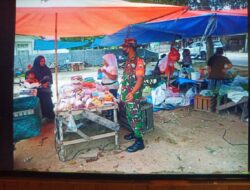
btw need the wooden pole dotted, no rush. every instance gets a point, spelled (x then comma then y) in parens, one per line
(56, 58)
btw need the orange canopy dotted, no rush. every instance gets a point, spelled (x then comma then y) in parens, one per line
(84, 21)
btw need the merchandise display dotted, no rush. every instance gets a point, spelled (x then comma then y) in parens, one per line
(83, 93)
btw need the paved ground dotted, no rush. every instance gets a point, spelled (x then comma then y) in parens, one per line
(238, 59)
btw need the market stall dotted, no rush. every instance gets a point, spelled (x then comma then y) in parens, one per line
(76, 66)
(82, 100)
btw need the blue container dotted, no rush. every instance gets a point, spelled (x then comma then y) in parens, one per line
(27, 118)
(25, 127)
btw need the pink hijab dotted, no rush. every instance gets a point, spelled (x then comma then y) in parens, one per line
(111, 60)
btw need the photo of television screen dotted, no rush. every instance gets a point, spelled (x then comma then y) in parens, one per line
(122, 87)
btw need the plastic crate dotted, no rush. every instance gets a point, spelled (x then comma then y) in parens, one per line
(25, 103)
(25, 127)
(27, 117)
(148, 119)
(205, 103)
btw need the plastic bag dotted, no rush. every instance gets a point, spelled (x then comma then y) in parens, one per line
(163, 64)
(206, 93)
(189, 96)
(71, 127)
(236, 96)
(175, 101)
(225, 89)
(167, 92)
(238, 80)
(159, 94)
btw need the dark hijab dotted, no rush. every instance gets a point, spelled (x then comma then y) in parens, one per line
(41, 71)
(186, 57)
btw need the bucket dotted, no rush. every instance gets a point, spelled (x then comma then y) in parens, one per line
(195, 75)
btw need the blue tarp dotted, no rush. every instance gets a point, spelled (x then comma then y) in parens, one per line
(50, 44)
(96, 43)
(168, 30)
(209, 25)
(142, 35)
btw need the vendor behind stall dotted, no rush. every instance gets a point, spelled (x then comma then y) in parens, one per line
(157, 69)
(186, 59)
(217, 68)
(110, 73)
(44, 76)
(166, 64)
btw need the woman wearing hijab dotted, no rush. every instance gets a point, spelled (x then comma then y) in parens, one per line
(44, 76)
(186, 60)
(109, 77)
(110, 73)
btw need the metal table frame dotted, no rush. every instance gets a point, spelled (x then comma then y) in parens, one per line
(62, 119)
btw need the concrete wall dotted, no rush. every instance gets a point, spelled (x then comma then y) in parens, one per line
(91, 57)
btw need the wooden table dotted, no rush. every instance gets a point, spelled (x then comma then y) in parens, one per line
(229, 104)
(184, 81)
(62, 122)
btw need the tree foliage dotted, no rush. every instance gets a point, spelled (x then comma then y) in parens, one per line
(202, 4)
(169, 2)
(217, 4)
(79, 39)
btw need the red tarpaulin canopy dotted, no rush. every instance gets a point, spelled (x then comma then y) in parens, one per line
(84, 21)
(237, 12)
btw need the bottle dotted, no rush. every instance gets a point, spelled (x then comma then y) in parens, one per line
(99, 76)
(202, 73)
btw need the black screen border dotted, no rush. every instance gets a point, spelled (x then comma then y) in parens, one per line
(7, 35)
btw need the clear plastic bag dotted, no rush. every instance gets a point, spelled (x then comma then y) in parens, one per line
(71, 127)
(159, 94)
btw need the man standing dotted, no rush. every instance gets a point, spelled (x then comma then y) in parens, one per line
(131, 93)
(217, 67)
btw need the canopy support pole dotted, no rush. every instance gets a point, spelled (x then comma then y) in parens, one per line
(56, 58)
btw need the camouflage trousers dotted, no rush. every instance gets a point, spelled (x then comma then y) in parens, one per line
(134, 113)
(134, 116)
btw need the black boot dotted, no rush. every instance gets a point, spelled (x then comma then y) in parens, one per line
(129, 136)
(138, 145)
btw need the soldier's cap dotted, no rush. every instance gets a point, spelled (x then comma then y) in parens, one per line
(129, 42)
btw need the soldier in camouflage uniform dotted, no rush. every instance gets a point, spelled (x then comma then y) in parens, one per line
(131, 93)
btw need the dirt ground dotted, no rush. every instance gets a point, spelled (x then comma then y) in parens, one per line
(184, 141)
